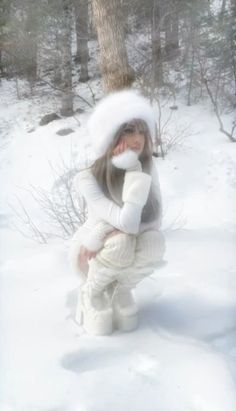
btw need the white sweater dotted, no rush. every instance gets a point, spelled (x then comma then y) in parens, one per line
(104, 215)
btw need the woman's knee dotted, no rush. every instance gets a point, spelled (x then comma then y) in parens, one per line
(118, 250)
(74, 260)
(150, 247)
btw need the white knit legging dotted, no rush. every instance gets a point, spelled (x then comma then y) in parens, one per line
(127, 258)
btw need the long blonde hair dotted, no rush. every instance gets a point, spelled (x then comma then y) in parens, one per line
(111, 179)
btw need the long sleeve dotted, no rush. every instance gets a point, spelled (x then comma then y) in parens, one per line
(95, 240)
(135, 191)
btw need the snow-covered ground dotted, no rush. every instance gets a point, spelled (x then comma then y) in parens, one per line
(183, 356)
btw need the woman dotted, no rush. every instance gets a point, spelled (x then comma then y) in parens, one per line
(120, 242)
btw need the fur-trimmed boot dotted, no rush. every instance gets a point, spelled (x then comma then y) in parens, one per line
(94, 310)
(150, 248)
(125, 309)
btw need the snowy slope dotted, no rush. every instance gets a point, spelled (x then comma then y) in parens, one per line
(183, 356)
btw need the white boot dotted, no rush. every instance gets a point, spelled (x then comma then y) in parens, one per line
(94, 307)
(125, 310)
(95, 312)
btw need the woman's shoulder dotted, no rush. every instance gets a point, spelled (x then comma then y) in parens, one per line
(84, 178)
(86, 184)
(84, 174)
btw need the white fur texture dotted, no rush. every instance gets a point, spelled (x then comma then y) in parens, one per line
(114, 110)
(126, 160)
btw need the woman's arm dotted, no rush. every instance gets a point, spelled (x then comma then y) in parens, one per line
(135, 192)
(95, 239)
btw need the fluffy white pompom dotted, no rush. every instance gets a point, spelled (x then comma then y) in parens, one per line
(126, 160)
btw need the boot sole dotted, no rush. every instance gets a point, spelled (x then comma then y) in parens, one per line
(125, 323)
(102, 327)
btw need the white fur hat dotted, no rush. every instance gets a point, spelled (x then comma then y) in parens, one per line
(114, 110)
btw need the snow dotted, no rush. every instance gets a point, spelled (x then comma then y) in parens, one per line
(183, 355)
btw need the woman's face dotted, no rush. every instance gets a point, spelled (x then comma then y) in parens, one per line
(134, 141)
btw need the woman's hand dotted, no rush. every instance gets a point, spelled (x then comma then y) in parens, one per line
(87, 254)
(120, 148)
(84, 256)
(125, 158)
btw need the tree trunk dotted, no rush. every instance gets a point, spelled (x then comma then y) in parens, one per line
(222, 11)
(191, 67)
(31, 43)
(175, 29)
(81, 27)
(233, 40)
(157, 69)
(116, 71)
(66, 78)
(1, 68)
(171, 28)
(193, 50)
